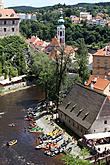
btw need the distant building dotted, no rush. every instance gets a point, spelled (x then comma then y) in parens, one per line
(33, 17)
(37, 43)
(22, 16)
(75, 19)
(27, 16)
(1, 4)
(9, 22)
(101, 63)
(85, 111)
(53, 50)
(94, 21)
(98, 84)
(85, 16)
(108, 23)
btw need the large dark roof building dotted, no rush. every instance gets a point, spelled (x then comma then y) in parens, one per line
(85, 111)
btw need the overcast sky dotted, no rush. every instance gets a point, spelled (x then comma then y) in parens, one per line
(40, 3)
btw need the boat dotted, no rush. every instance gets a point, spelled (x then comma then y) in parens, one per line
(12, 142)
(11, 125)
(36, 129)
(39, 147)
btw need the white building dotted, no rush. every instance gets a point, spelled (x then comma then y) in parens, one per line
(94, 21)
(1, 4)
(85, 16)
(24, 16)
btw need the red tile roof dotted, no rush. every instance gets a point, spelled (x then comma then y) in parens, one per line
(39, 43)
(99, 83)
(32, 40)
(8, 13)
(100, 52)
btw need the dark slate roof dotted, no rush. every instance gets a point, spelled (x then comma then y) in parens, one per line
(88, 105)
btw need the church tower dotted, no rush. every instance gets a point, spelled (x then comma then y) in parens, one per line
(61, 30)
(1, 4)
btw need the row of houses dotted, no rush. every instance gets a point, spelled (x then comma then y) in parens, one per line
(86, 16)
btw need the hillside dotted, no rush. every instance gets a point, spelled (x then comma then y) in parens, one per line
(83, 5)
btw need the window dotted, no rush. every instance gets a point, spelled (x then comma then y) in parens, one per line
(13, 29)
(60, 33)
(4, 29)
(81, 130)
(13, 22)
(105, 122)
(4, 22)
(73, 123)
(98, 73)
(65, 117)
(69, 121)
(98, 60)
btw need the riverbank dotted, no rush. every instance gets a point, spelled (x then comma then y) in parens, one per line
(48, 125)
(18, 89)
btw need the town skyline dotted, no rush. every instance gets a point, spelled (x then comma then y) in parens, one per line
(48, 2)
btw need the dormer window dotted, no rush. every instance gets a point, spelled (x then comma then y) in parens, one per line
(85, 116)
(12, 15)
(79, 112)
(67, 105)
(73, 108)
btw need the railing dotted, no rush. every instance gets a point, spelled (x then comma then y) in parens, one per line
(97, 158)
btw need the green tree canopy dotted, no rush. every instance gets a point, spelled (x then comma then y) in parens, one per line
(82, 61)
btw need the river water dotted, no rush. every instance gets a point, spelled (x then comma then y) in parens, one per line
(14, 106)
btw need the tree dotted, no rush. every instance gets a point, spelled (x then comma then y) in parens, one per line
(44, 70)
(62, 60)
(82, 61)
(13, 56)
(51, 73)
(74, 160)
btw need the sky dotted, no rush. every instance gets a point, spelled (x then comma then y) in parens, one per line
(41, 3)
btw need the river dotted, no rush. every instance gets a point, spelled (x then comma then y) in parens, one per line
(15, 106)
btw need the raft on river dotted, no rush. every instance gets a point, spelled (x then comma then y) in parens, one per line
(12, 142)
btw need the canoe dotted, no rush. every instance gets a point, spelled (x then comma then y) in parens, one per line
(11, 125)
(36, 129)
(12, 142)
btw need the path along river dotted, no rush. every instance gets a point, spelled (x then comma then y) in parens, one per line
(14, 106)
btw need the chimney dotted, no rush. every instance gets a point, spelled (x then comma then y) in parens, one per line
(92, 85)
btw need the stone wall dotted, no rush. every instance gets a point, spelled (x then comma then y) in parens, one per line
(71, 124)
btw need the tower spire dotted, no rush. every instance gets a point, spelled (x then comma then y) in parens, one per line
(1, 4)
(61, 29)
